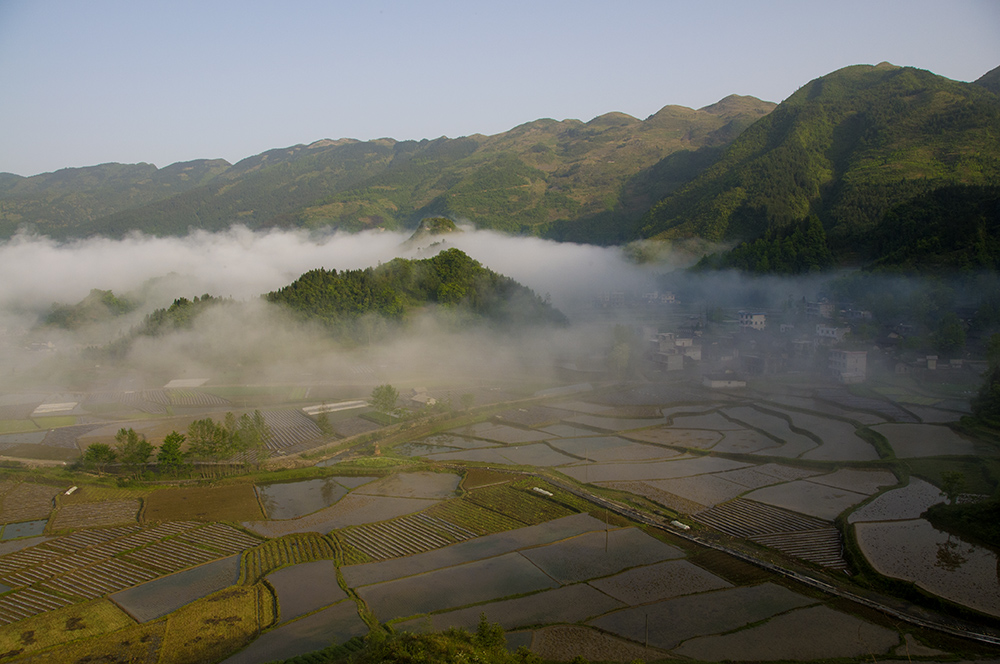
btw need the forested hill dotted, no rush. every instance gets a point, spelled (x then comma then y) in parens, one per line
(585, 181)
(847, 147)
(461, 287)
(66, 202)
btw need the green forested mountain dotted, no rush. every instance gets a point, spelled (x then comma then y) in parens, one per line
(464, 289)
(792, 249)
(66, 202)
(847, 147)
(951, 228)
(568, 179)
(990, 80)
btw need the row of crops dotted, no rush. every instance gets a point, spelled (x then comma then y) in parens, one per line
(804, 537)
(404, 536)
(290, 428)
(287, 550)
(516, 503)
(93, 563)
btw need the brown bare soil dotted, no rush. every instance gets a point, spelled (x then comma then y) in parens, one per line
(477, 477)
(233, 502)
(27, 501)
(93, 515)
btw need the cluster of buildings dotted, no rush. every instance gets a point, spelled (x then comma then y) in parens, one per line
(754, 347)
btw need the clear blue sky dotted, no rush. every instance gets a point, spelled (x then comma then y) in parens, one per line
(94, 81)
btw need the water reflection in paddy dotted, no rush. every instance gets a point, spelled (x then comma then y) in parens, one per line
(290, 500)
(939, 562)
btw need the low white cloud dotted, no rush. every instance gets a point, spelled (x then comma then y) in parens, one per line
(37, 271)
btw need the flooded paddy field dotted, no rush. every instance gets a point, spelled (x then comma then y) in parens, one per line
(157, 598)
(929, 440)
(290, 500)
(417, 548)
(942, 564)
(304, 588)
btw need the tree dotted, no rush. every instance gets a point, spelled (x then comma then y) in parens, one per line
(384, 398)
(133, 450)
(323, 422)
(952, 484)
(468, 400)
(169, 457)
(98, 456)
(251, 436)
(489, 635)
(207, 440)
(950, 335)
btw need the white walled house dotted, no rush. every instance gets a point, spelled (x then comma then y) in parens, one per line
(752, 320)
(849, 366)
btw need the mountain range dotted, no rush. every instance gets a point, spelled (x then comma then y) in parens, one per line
(848, 148)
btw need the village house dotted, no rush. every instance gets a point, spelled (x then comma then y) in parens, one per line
(752, 320)
(849, 366)
(828, 334)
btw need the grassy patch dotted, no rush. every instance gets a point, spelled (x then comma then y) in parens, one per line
(518, 503)
(211, 628)
(97, 493)
(43, 452)
(17, 426)
(378, 462)
(478, 477)
(132, 644)
(61, 626)
(230, 502)
(469, 515)
(382, 419)
(878, 441)
(55, 422)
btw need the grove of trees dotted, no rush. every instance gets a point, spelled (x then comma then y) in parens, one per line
(243, 438)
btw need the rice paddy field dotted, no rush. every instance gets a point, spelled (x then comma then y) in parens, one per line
(910, 440)
(942, 564)
(256, 571)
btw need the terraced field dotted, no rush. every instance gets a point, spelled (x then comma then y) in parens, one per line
(94, 563)
(404, 536)
(798, 535)
(183, 398)
(290, 428)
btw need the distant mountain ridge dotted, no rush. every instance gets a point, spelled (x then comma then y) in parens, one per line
(848, 147)
(541, 177)
(850, 150)
(62, 202)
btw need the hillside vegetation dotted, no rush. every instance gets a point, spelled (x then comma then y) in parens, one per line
(460, 286)
(951, 228)
(895, 163)
(847, 147)
(545, 177)
(64, 203)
